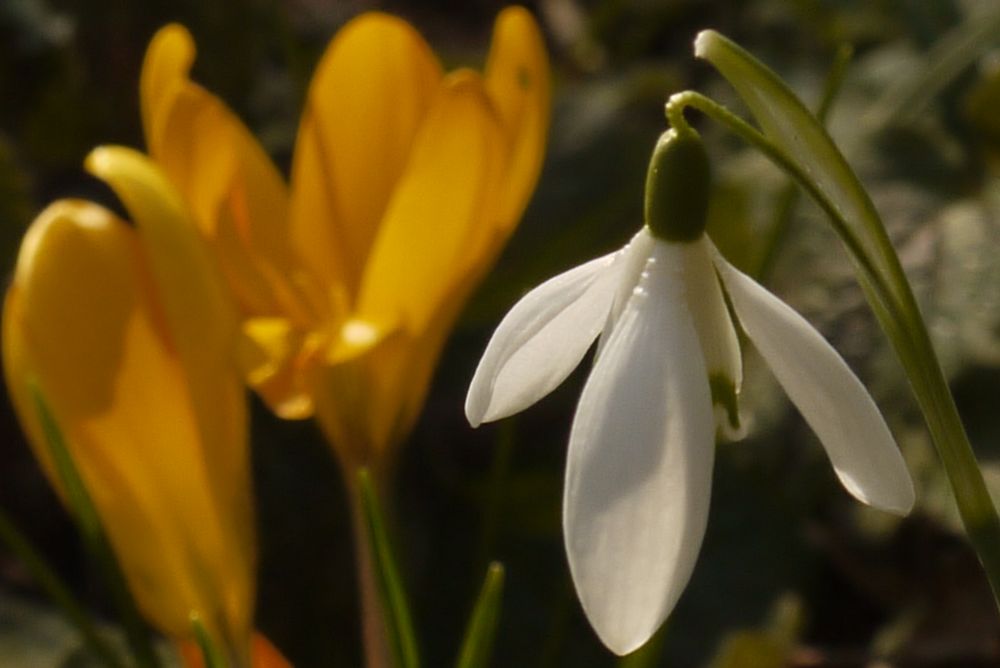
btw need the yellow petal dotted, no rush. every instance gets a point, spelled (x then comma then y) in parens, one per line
(232, 188)
(446, 198)
(168, 59)
(355, 403)
(273, 353)
(354, 338)
(82, 320)
(367, 404)
(518, 81)
(236, 196)
(366, 101)
(200, 317)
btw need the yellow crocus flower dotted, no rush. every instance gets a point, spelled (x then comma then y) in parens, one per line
(405, 184)
(128, 334)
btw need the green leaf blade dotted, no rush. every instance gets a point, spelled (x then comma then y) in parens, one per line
(797, 142)
(794, 129)
(477, 648)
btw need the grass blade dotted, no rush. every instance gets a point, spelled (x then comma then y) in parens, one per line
(477, 648)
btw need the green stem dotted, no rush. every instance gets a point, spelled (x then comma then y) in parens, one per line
(675, 115)
(57, 591)
(895, 306)
(397, 622)
(374, 620)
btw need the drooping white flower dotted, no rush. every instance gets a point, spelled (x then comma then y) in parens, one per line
(639, 466)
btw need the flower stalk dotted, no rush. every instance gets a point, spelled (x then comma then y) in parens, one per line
(389, 636)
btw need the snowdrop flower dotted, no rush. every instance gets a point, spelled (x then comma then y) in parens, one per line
(639, 467)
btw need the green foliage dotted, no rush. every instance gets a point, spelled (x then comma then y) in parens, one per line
(398, 624)
(477, 648)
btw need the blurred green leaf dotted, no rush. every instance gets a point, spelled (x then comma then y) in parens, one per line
(210, 653)
(477, 648)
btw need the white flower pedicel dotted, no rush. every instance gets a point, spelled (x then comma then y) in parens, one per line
(639, 466)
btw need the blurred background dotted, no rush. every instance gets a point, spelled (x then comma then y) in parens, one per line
(793, 571)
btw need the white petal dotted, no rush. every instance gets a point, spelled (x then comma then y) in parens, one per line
(716, 333)
(827, 393)
(541, 340)
(638, 473)
(633, 263)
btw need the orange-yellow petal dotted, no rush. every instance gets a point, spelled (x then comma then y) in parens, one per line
(356, 401)
(235, 193)
(200, 319)
(83, 321)
(168, 60)
(518, 81)
(367, 100)
(273, 354)
(446, 197)
(200, 314)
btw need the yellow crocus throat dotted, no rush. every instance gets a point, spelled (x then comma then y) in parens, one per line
(406, 181)
(127, 332)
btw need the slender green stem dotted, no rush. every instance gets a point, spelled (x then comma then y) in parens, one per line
(834, 81)
(896, 308)
(401, 638)
(675, 114)
(375, 620)
(57, 591)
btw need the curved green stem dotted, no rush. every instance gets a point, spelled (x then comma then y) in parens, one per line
(675, 115)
